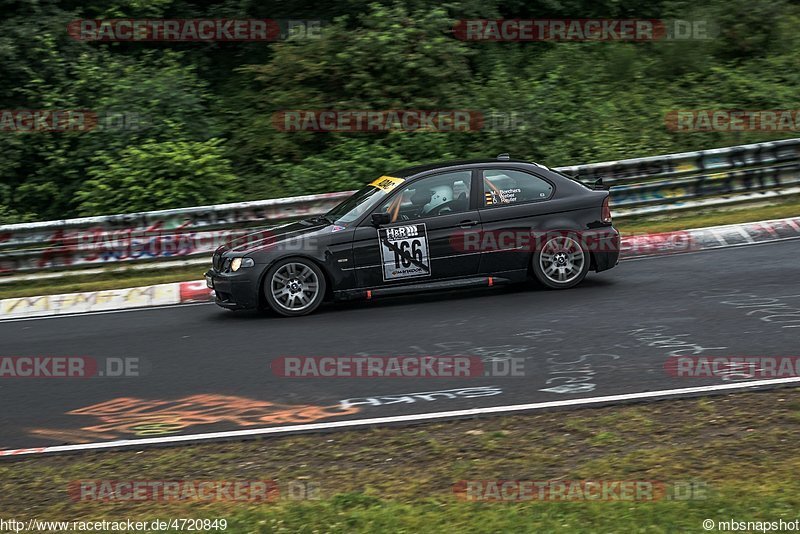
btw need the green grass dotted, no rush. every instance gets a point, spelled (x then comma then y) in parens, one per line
(130, 278)
(95, 282)
(741, 447)
(342, 515)
(774, 209)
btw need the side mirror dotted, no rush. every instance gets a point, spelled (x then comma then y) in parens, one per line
(379, 219)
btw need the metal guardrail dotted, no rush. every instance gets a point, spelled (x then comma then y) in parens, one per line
(146, 236)
(641, 185)
(683, 163)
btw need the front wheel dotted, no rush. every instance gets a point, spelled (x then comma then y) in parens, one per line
(561, 263)
(294, 287)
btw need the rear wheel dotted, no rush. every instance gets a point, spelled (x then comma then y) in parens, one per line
(561, 263)
(294, 287)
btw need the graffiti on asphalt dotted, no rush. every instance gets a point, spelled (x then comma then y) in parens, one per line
(143, 417)
(424, 396)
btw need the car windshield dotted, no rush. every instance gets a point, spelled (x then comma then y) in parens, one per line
(362, 200)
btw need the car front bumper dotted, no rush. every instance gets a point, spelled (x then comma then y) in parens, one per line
(235, 291)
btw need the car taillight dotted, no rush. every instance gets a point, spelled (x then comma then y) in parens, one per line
(606, 211)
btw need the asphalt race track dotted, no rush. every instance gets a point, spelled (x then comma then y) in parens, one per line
(204, 369)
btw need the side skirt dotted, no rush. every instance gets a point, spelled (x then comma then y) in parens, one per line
(421, 287)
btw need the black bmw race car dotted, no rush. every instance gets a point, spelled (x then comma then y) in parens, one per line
(441, 226)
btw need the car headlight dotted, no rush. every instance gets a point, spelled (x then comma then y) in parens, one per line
(238, 263)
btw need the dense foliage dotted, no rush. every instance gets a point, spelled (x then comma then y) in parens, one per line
(208, 135)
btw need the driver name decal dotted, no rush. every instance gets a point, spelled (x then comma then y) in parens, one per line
(502, 196)
(404, 251)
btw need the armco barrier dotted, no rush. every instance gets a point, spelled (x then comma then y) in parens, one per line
(650, 185)
(154, 235)
(703, 163)
(632, 246)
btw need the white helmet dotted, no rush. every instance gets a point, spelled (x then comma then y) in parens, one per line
(439, 195)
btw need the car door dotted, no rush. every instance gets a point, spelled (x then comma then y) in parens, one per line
(424, 240)
(514, 204)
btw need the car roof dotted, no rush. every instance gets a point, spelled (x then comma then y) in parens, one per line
(418, 169)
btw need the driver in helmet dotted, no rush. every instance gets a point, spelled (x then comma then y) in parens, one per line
(439, 195)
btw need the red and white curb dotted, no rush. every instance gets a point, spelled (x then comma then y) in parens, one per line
(696, 239)
(633, 246)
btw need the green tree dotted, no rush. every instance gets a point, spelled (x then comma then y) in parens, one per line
(158, 175)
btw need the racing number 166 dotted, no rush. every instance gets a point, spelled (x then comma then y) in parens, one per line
(409, 247)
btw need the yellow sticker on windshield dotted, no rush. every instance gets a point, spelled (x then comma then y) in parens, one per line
(387, 183)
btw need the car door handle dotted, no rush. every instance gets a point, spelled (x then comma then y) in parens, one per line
(468, 224)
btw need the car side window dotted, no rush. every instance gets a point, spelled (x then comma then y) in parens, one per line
(506, 186)
(440, 194)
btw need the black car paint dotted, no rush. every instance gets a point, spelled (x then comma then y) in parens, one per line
(350, 255)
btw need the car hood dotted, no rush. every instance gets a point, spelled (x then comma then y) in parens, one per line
(261, 240)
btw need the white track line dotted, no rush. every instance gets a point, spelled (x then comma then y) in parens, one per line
(354, 423)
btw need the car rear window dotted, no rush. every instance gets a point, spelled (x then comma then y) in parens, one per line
(506, 186)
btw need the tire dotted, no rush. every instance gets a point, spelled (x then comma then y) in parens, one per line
(562, 262)
(294, 287)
